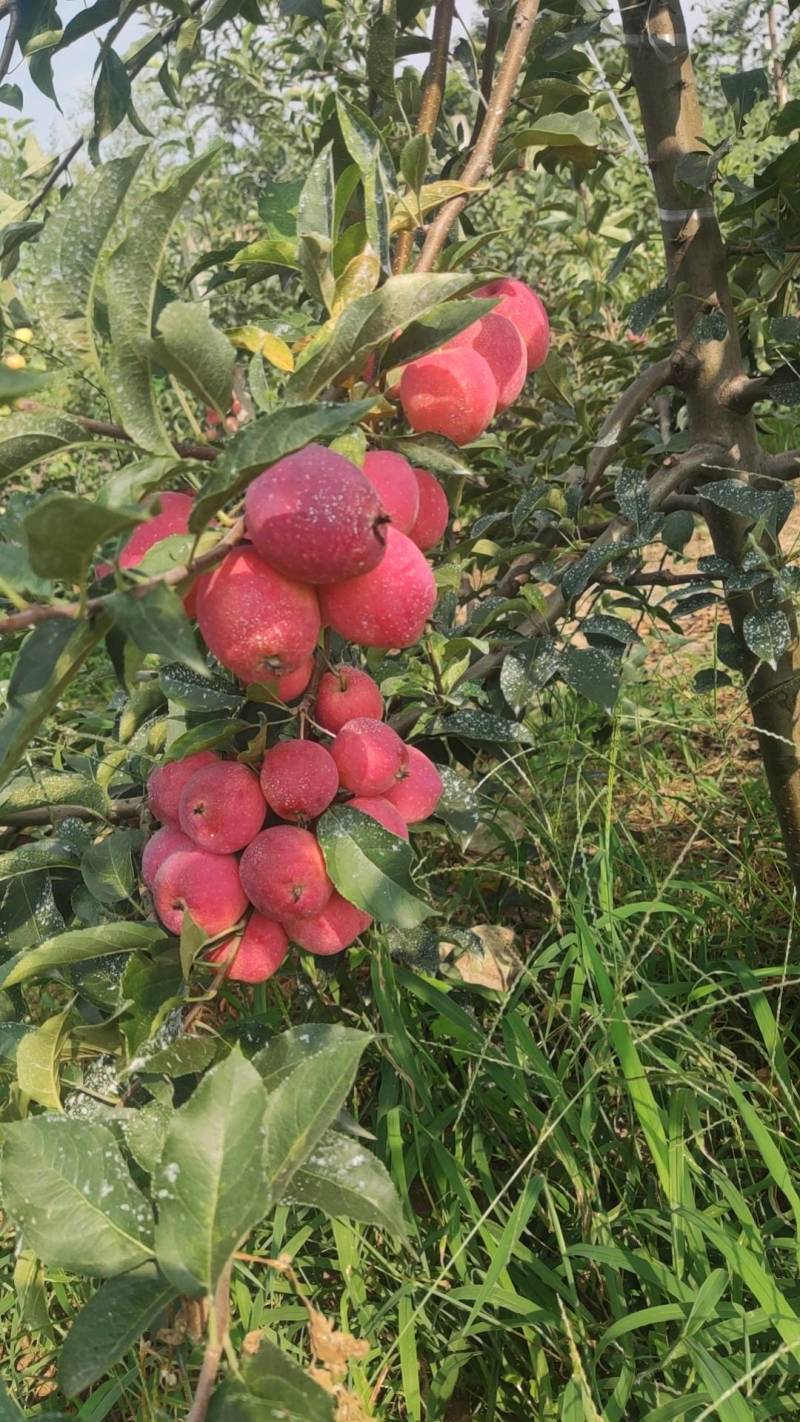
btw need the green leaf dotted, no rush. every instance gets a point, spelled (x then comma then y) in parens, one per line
(377, 214)
(16, 384)
(199, 693)
(31, 790)
(269, 251)
(50, 657)
(37, 1061)
(677, 529)
(107, 867)
(67, 1188)
(744, 90)
(473, 725)
(131, 279)
(346, 1181)
(207, 736)
(289, 1050)
(144, 1131)
(382, 52)
(315, 228)
(521, 681)
(107, 1326)
(414, 160)
(9, 1411)
(646, 308)
(369, 321)
(768, 506)
(592, 673)
(112, 95)
(30, 1292)
(183, 1057)
(31, 858)
(210, 1181)
(301, 1107)
(272, 1388)
(195, 352)
(572, 131)
(26, 438)
(77, 946)
(767, 634)
(263, 443)
(371, 867)
(69, 250)
(436, 327)
(63, 530)
(157, 623)
(11, 94)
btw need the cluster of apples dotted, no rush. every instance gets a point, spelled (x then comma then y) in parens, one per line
(214, 858)
(457, 390)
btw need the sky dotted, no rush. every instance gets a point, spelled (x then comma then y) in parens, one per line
(73, 79)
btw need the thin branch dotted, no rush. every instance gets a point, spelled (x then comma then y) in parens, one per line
(46, 612)
(119, 810)
(430, 104)
(480, 159)
(672, 370)
(664, 579)
(217, 1329)
(782, 466)
(487, 76)
(112, 431)
(10, 39)
(671, 475)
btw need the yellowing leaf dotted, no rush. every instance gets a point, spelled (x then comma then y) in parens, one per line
(408, 212)
(359, 278)
(263, 343)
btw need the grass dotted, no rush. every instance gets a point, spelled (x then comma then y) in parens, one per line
(602, 1165)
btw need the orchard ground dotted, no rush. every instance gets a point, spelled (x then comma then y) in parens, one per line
(637, 850)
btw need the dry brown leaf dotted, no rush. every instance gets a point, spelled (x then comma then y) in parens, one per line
(497, 967)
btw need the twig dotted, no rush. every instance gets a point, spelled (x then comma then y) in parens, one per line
(51, 814)
(664, 579)
(32, 616)
(782, 466)
(487, 75)
(11, 37)
(217, 1329)
(430, 104)
(630, 404)
(480, 159)
(111, 431)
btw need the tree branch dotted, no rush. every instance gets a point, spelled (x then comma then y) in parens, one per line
(480, 159)
(669, 477)
(112, 431)
(46, 612)
(430, 104)
(217, 1329)
(118, 811)
(11, 38)
(785, 465)
(673, 370)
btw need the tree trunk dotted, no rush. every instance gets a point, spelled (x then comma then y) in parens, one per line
(663, 75)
